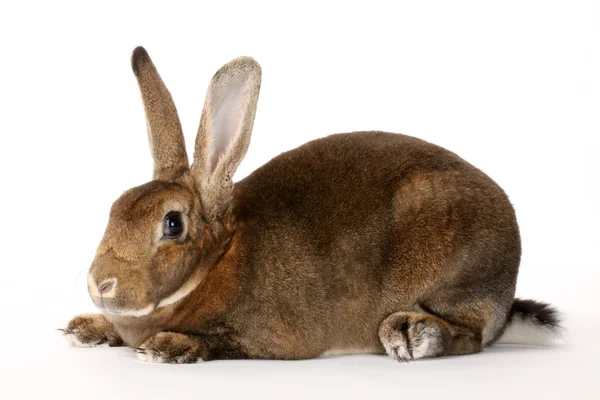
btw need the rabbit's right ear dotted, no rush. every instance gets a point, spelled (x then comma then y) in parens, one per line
(164, 129)
(224, 132)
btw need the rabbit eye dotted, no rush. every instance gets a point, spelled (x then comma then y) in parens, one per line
(172, 225)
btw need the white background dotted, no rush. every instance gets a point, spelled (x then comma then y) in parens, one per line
(511, 86)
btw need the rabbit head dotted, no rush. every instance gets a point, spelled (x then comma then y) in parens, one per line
(162, 236)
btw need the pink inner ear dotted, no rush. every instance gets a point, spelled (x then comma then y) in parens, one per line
(227, 104)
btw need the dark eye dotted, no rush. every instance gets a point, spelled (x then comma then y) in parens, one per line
(173, 225)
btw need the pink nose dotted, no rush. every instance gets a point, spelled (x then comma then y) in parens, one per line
(106, 287)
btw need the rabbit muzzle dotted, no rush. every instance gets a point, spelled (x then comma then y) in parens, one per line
(119, 290)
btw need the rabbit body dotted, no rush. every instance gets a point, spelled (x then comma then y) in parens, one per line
(336, 235)
(365, 242)
(343, 231)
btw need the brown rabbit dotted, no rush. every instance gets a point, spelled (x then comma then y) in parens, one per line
(365, 242)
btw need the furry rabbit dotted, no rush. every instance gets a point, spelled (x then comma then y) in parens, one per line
(366, 242)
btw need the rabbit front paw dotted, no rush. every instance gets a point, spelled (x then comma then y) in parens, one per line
(170, 348)
(91, 330)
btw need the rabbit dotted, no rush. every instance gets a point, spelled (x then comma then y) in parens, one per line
(364, 242)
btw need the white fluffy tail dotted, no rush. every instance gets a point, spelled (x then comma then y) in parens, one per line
(531, 322)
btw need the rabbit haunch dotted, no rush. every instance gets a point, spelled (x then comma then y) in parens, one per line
(362, 242)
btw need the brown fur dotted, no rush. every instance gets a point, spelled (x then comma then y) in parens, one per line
(164, 129)
(214, 166)
(353, 242)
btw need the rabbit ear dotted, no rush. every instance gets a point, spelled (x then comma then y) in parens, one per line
(225, 129)
(164, 129)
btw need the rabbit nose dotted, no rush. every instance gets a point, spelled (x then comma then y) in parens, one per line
(106, 287)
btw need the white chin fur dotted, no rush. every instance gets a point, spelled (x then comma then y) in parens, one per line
(132, 313)
(182, 292)
(524, 331)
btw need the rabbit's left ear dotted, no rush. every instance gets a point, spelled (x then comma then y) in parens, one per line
(225, 130)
